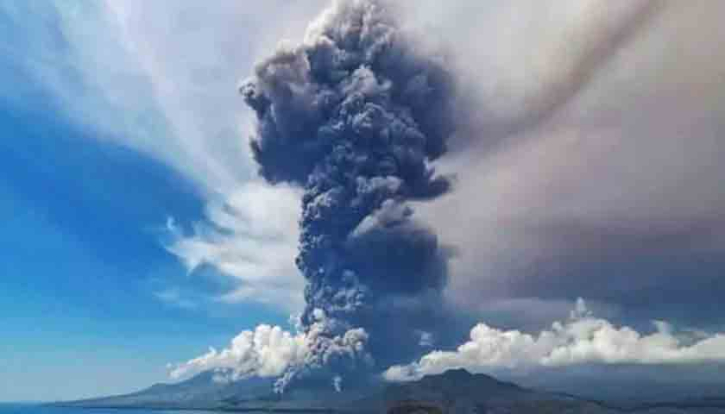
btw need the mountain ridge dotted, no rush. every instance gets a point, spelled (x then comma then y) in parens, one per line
(454, 391)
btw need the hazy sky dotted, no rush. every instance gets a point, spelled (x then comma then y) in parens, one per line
(138, 234)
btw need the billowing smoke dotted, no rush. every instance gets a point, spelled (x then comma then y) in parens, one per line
(354, 115)
(271, 352)
(583, 339)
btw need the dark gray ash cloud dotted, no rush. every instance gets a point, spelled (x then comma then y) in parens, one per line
(355, 114)
(613, 191)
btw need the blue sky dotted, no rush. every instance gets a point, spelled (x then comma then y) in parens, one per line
(89, 290)
(136, 233)
(82, 259)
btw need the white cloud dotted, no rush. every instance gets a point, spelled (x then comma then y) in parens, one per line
(159, 78)
(72, 52)
(272, 352)
(265, 352)
(581, 340)
(252, 237)
(192, 57)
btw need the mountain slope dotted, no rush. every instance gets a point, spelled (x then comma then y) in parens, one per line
(201, 391)
(456, 391)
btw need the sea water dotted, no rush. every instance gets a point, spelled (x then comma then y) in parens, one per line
(46, 409)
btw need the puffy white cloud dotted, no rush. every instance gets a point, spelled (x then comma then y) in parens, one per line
(266, 351)
(252, 237)
(583, 339)
(272, 352)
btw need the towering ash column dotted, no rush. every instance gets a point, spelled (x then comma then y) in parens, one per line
(354, 114)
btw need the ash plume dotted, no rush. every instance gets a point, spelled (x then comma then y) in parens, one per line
(354, 115)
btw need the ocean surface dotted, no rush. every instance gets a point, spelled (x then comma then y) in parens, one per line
(43, 409)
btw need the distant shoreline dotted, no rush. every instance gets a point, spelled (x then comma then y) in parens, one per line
(206, 409)
(714, 403)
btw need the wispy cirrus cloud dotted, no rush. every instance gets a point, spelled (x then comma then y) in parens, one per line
(252, 237)
(194, 56)
(161, 80)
